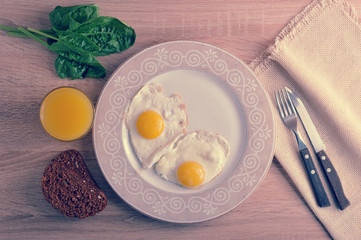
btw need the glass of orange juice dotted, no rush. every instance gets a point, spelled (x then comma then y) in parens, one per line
(66, 113)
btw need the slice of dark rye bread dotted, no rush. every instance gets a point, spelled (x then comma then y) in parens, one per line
(69, 186)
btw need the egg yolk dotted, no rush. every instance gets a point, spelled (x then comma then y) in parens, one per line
(190, 174)
(150, 124)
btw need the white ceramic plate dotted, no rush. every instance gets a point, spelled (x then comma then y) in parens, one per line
(221, 95)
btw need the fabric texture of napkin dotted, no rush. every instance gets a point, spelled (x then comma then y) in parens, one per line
(318, 56)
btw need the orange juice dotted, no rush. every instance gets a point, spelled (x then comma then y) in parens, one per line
(66, 113)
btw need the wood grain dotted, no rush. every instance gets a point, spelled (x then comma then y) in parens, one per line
(245, 28)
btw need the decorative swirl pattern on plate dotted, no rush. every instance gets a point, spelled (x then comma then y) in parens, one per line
(123, 89)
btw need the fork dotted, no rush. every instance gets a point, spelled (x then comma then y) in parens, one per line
(289, 118)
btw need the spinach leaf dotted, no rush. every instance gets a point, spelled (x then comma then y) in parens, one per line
(110, 34)
(73, 42)
(77, 35)
(67, 18)
(72, 65)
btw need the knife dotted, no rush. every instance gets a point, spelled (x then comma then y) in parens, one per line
(320, 149)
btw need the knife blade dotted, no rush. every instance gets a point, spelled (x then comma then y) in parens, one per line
(320, 150)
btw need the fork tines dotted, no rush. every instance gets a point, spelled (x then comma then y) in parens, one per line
(284, 103)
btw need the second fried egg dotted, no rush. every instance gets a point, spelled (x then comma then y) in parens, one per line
(193, 159)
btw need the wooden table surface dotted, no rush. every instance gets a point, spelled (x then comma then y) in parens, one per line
(245, 28)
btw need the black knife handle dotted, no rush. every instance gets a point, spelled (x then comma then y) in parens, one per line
(316, 183)
(333, 179)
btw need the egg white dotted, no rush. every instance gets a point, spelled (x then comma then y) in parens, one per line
(209, 149)
(172, 110)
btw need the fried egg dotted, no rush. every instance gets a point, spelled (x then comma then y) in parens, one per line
(193, 159)
(153, 120)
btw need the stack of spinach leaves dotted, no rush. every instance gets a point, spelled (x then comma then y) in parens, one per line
(78, 34)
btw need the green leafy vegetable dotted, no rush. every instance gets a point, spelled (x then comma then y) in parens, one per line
(77, 35)
(72, 65)
(74, 42)
(68, 18)
(110, 34)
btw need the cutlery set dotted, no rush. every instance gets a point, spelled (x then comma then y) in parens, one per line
(291, 108)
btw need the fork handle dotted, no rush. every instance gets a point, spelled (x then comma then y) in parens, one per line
(333, 179)
(316, 183)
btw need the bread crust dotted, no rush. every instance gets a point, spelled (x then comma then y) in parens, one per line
(70, 188)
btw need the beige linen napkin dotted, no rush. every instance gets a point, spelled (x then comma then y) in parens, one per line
(318, 55)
